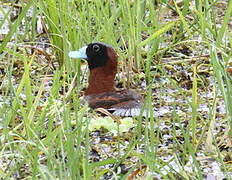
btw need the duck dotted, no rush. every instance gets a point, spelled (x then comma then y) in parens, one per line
(102, 62)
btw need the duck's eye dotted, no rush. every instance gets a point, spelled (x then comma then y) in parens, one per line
(96, 48)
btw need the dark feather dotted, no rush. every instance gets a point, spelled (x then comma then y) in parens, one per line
(122, 103)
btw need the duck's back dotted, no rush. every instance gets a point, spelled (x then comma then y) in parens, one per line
(122, 103)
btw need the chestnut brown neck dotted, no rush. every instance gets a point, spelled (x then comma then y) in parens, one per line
(101, 79)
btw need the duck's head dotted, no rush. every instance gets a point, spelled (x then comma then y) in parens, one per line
(102, 62)
(97, 54)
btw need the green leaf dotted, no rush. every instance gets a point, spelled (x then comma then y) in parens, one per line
(162, 30)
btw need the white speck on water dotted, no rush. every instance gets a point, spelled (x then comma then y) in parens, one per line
(5, 26)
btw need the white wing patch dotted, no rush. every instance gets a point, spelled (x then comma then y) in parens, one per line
(124, 112)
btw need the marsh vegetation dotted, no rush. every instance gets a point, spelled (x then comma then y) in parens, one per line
(177, 54)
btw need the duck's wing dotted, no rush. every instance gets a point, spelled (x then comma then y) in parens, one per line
(129, 108)
(122, 103)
